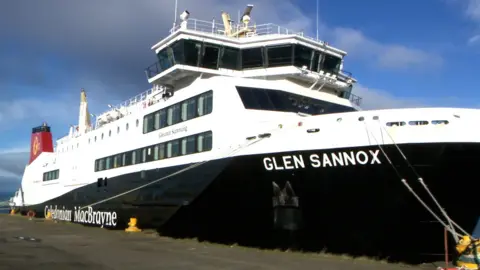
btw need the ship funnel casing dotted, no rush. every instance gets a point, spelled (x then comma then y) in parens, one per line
(40, 141)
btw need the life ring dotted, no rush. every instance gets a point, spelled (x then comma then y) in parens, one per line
(31, 214)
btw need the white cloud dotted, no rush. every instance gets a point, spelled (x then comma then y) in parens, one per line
(474, 39)
(473, 9)
(382, 54)
(374, 99)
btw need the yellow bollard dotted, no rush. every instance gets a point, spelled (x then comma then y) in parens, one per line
(469, 253)
(132, 226)
(48, 216)
(12, 212)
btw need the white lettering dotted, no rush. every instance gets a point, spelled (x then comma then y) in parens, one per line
(288, 162)
(314, 161)
(362, 157)
(349, 158)
(298, 160)
(267, 163)
(276, 166)
(336, 159)
(326, 161)
(375, 158)
(87, 216)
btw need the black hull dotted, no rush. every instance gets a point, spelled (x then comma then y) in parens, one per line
(356, 209)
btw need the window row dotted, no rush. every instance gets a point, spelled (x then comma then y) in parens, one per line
(192, 144)
(51, 175)
(276, 100)
(182, 111)
(213, 56)
(417, 123)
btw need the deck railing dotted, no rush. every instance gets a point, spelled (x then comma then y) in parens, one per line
(216, 28)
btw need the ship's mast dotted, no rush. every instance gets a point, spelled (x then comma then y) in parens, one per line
(84, 117)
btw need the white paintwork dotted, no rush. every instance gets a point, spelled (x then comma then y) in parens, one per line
(231, 124)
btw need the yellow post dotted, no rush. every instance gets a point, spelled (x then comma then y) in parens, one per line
(12, 212)
(469, 253)
(132, 226)
(48, 216)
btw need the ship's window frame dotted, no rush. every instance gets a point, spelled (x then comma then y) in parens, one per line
(303, 56)
(255, 98)
(280, 55)
(187, 145)
(196, 106)
(51, 175)
(229, 58)
(331, 64)
(210, 56)
(253, 57)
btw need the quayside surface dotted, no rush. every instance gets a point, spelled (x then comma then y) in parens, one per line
(49, 245)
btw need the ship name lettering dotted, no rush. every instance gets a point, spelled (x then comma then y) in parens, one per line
(335, 159)
(80, 215)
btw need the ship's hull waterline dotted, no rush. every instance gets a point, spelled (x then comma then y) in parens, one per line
(344, 200)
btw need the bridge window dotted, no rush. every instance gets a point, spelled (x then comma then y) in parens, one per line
(252, 58)
(331, 64)
(179, 147)
(191, 52)
(315, 61)
(280, 56)
(303, 56)
(51, 175)
(178, 52)
(229, 58)
(210, 57)
(276, 100)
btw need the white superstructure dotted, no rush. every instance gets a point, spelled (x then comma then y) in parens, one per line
(200, 56)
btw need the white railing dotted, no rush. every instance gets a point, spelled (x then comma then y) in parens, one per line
(216, 28)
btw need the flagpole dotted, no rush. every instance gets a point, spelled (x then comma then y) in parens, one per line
(175, 19)
(317, 20)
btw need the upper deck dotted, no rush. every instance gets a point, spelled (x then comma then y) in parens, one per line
(265, 51)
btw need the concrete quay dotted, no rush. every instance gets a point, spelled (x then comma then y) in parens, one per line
(45, 244)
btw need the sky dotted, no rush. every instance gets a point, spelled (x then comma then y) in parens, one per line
(404, 53)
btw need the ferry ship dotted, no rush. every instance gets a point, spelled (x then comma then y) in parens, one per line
(250, 131)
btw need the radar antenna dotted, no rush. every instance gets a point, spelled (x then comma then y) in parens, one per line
(245, 20)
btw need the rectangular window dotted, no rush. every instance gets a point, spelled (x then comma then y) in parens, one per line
(108, 163)
(144, 155)
(170, 116)
(190, 145)
(303, 56)
(156, 121)
(161, 151)
(134, 157)
(184, 111)
(155, 152)
(252, 58)
(51, 175)
(229, 58)
(280, 56)
(183, 146)
(169, 149)
(163, 118)
(282, 101)
(175, 148)
(101, 164)
(176, 113)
